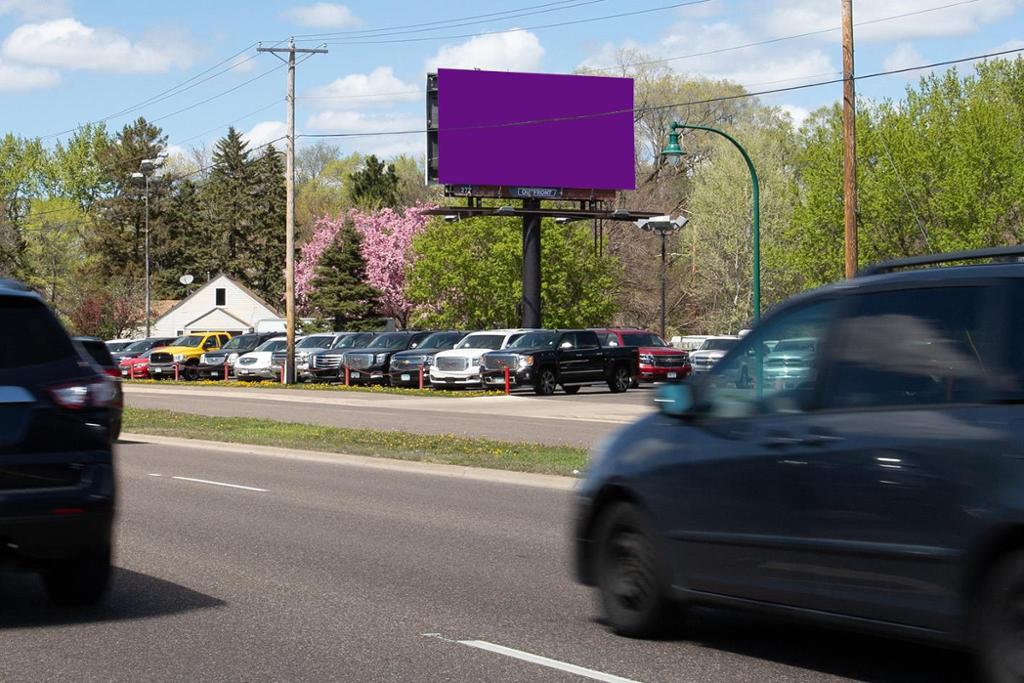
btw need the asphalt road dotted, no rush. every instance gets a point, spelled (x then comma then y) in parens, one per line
(580, 420)
(321, 571)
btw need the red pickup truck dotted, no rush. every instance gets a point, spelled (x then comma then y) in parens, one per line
(659, 362)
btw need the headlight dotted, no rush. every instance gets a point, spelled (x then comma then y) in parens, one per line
(525, 361)
(428, 361)
(647, 358)
(380, 358)
(202, 359)
(178, 357)
(232, 358)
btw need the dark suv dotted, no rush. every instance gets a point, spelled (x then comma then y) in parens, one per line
(372, 364)
(879, 482)
(56, 460)
(213, 363)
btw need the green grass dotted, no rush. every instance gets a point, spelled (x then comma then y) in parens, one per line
(370, 389)
(446, 448)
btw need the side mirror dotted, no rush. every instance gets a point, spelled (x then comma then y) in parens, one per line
(674, 399)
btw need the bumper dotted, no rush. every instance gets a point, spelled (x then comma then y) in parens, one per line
(366, 375)
(452, 379)
(140, 373)
(214, 371)
(256, 373)
(162, 371)
(517, 378)
(651, 373)
(409, 377)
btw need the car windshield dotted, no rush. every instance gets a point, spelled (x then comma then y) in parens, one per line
(718, 344)
(134, 347)
(272, 345)
(441, 340)
(642, 339)
(390, 341)
(244, 341)
(188, 341)
(316, 341)
(534, 340)
(794, 346)
(491, 342)
(353, 341)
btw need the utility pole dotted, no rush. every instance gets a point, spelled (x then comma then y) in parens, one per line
(289, 220)
(849, 145)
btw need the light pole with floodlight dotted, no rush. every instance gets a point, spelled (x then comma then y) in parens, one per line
(147, 168)
(673, 153)
(663, 226)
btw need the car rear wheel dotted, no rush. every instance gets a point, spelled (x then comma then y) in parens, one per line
(1000, 622)
(571, 390)
(546, 383)
(631, 577)
(620, 381)
(79, 581)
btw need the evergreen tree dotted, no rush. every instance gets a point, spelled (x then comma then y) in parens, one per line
(374, 186)
(224, 196)
(183, 244)
(339, 287)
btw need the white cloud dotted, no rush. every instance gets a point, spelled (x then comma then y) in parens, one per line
(361, 122)
(68, 43)
(798, 114)
(265, 131)
(16, 77)
(785, 17)
(902, 57)
(378, 88)
(35, 9)
(243, 63)
(322, 14)
(515, 51)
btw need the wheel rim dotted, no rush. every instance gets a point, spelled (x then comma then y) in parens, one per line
(623, 379)
(632, 582)
(547, 382)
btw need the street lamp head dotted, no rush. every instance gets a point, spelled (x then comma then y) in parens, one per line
(673, 152)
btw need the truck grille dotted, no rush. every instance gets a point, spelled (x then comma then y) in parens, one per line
(703, 363)
(327, 361)
(409, 363)
(358, 361)
(161, 357)
(669, 361)
(494, 361)
(451, 364)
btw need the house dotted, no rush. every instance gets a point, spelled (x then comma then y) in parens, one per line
(221, 304)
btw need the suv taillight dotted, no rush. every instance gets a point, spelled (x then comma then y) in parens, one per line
(94, 392)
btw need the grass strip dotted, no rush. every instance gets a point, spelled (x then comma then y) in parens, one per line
(449, 449)
(368, 389)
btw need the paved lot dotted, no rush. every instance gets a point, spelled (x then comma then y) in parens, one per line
(579, 420)
(322, 571)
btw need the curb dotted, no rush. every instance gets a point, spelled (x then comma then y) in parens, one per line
(545, 481)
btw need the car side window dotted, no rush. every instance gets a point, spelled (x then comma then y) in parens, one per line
(611, 340)
(210, 343)
(567, 341)
(760, 376)
(587, 340)
(913, 347)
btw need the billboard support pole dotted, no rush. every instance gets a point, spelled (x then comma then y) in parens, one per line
(531, 265)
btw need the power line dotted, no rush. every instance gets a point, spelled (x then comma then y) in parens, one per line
(572, 22)
(229, 123)
(218, 95)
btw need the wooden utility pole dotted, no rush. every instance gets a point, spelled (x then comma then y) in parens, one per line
(289, 219)
(849, 144)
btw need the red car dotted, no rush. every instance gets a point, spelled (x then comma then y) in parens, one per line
(659, 362)
(135, 368)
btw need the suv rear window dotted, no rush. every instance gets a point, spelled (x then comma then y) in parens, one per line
(30, 320)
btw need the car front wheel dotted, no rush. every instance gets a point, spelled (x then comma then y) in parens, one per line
(620, 381)
(79, 581)
(631, 578)
(1000, 622)
(546, 383)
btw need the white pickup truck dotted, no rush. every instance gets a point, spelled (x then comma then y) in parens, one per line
(460, 366)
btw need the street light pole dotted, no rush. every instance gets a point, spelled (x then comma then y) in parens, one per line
(146, 169)
(673, 152)
(664, 275)
(663, 225)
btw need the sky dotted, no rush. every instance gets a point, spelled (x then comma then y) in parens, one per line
(192, 67)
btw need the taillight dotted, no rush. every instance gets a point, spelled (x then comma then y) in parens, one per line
(97, 392)
(113, 372)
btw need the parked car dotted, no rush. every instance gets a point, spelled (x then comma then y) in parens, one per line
(325, 364)
(211, 363)
(372, 365)
(690, 342)
(659, 362)
(460, 366)
(303, 347)
(140, 346)
(406, 365)
(185, 351)
(57, 472)
(95, 350)
(546, 359)
(884, 491)
(710, 352)
(258, 363)
(114, 345)
(135, 368)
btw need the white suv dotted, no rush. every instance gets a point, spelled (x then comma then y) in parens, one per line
(460, 366)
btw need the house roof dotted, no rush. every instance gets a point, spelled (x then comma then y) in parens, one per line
(221, 311)
(235, 282)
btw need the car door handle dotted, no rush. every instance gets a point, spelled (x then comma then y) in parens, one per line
(820, 439)
(780, 441)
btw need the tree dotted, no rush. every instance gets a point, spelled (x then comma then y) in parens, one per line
(467, 275)
(375, 185)
(22, 171)
(339, 288)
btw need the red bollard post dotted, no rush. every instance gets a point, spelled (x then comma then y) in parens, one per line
(346, 376)
(421, 378)
(508, 383)
(225, 369)
(175, 372)
(282, 374)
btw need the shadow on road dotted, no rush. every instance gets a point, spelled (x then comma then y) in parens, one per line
(849, 654)
(23, 603)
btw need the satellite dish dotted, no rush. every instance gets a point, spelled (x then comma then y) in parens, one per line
(186, 279)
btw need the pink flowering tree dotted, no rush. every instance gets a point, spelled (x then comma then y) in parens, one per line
(387, 234)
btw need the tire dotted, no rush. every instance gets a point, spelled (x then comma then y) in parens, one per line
(621, 380)
(999, 622)
(631, 575)
(79, 581)
(190, 372)
(546, 382)
(571, 390)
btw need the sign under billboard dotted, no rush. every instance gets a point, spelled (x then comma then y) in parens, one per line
(530, 131)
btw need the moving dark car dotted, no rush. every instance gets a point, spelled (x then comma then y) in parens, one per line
(97, 351)
(406, 365)
(211, 363)
(139, 347)
(56, 459)
(546, 359)
(884, 489)
(371, 365)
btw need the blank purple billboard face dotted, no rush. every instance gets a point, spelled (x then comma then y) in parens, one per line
(535, 130)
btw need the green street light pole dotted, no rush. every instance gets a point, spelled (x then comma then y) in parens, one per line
(674, 153)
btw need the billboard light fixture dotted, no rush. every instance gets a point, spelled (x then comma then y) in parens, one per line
(452, 218)
(505, 211)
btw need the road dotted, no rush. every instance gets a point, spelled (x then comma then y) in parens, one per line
(321, 571)
(580, 420)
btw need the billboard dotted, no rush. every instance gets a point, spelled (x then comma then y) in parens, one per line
(535, 133)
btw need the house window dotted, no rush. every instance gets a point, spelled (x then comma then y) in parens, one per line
(221, 296)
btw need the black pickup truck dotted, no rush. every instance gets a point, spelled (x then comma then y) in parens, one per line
(545, 359)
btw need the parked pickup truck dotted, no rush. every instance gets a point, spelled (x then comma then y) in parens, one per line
(546, 359)
(185, 352)
(659, 362)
